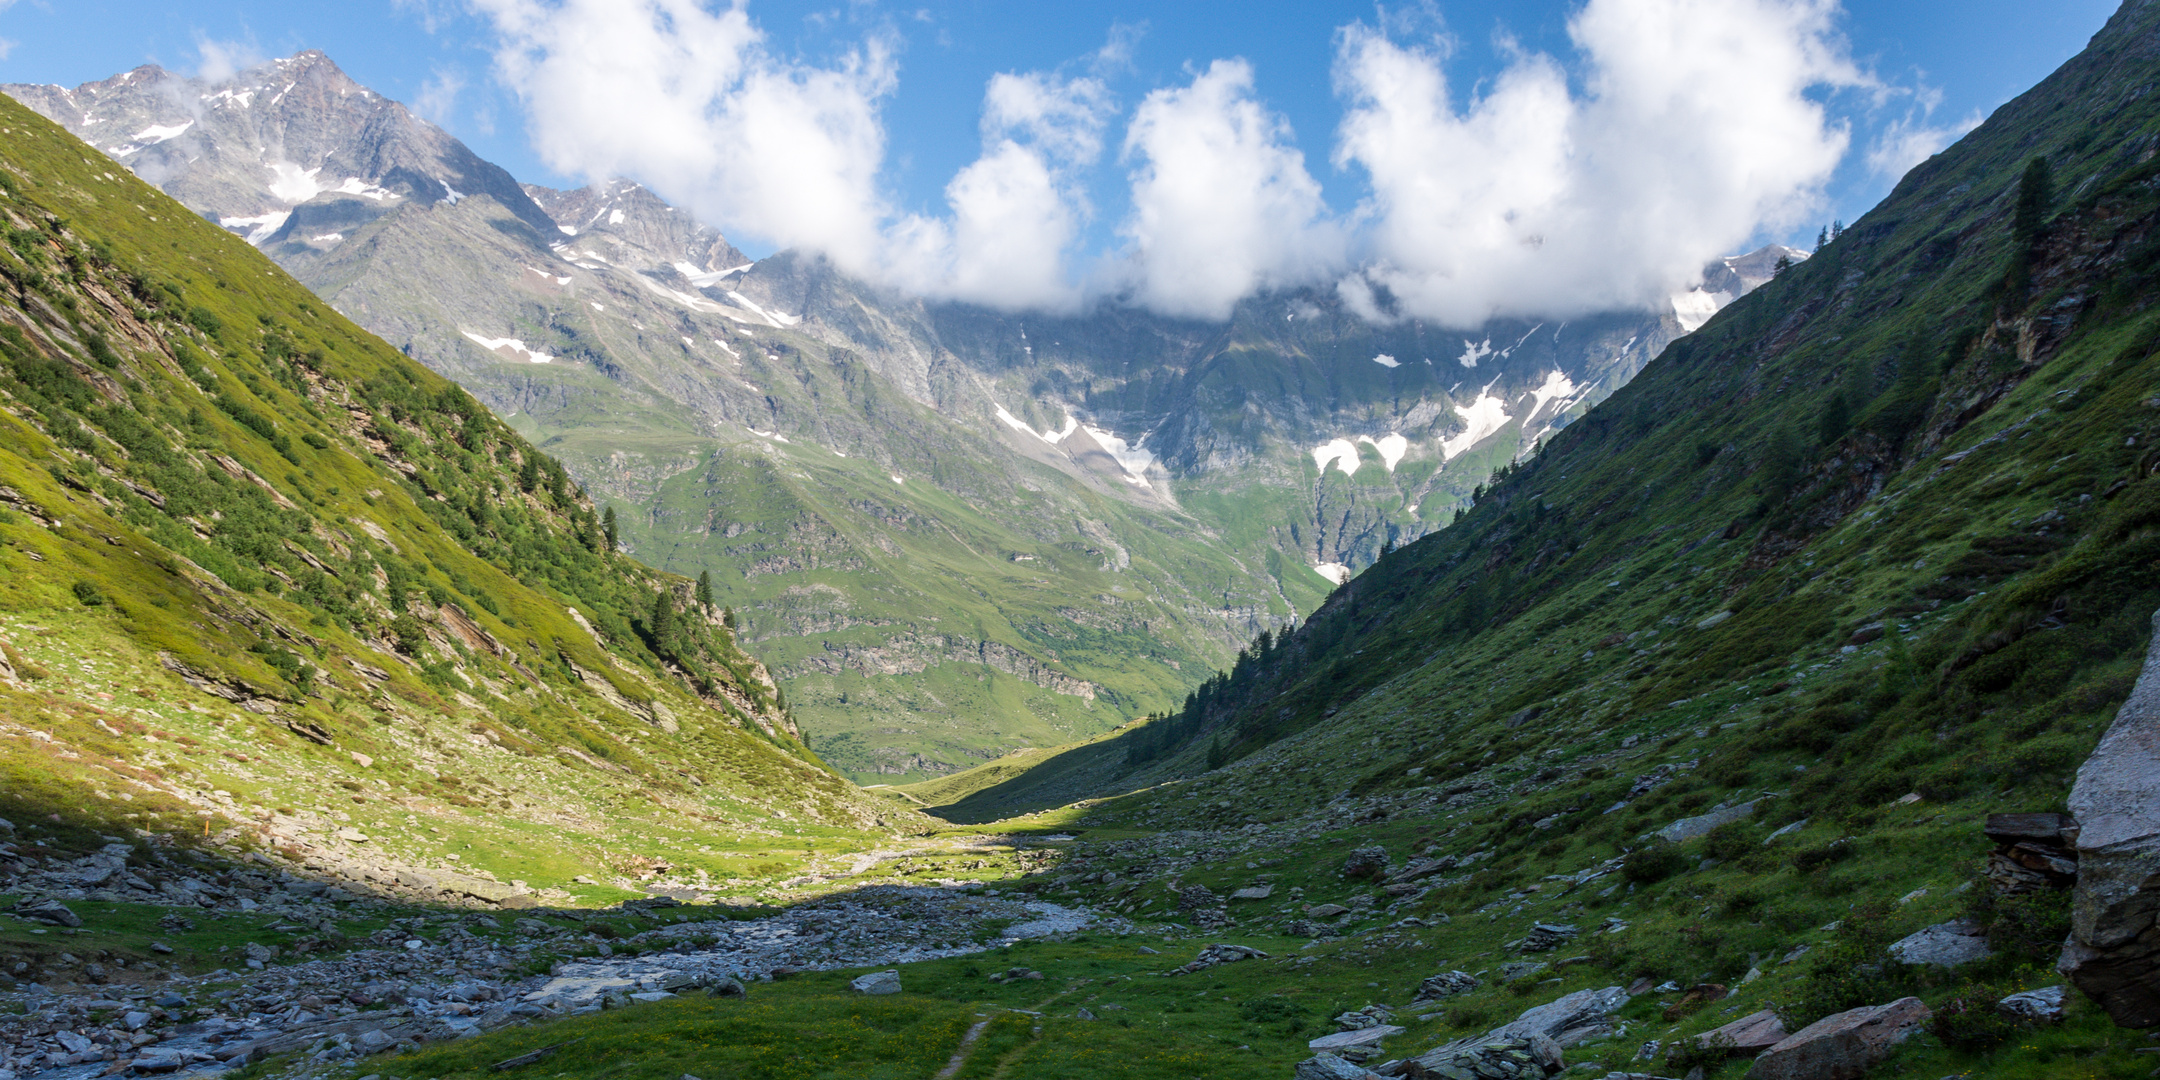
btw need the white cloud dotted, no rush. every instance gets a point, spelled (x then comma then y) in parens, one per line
(7, 47)
(697, 106)
(1222, 204)
(692, 103)
(438, 96)
(1679, 130)
(1906, 142)
(1693, 130)
(219, 61)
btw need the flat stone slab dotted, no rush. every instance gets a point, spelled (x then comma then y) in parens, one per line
(1254, 892)
(1842, 1046)
(1950, 944)
(1751, 1034)
(1687, 829)
(1361, 1037)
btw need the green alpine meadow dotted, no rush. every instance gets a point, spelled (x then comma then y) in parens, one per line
(453, 627)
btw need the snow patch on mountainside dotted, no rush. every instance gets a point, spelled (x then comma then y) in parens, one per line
(1341, 452)
(1484, 416)
(293, 184)
(496, 345)
(1051, 437)
(1386, 361)
(1473, 352)
(1392, 447)
(258, 228)
(1131, 457)
(1333, 571)
(154, 134)
(1557, 387)
(1694, 307)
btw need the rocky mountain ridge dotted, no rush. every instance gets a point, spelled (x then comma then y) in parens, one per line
(844, 460)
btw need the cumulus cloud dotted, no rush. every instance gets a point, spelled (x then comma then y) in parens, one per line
(1675, 132)
(1693, 130)
(1222, 204)
(694, 104)
(219, 61)
(1908, 141)
(438, 96)
(1017, 210)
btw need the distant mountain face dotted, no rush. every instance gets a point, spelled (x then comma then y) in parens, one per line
(952, 531)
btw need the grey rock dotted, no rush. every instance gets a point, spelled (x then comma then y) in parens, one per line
(1446, 984)
(1254, 892)
(877, 982)
(1950, 944)
(1330, 1067)
(2114, 949)
(727, 986)
(1687, 829)
(1364, 1036)
(1220, 953)
(46, 911)
(1544, 937)
(1366, 863)
(2044, 1005)
(1844, 1045)
(1523, 1057)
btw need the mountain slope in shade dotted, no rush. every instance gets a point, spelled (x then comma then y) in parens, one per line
(269, 579)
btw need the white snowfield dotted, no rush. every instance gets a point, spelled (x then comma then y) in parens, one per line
(779, 319)
(1486, 415)
(1333, 571)
(496, 345)
(1343, 453)
(1131, 457)
(1474, 351)
(153, 135)
(705, 279)
(258, 228)
(1386, 361)
(1392, 447)
(1051, 437)
(1695, 306)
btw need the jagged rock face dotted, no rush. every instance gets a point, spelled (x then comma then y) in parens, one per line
(2114, 948)
(288, 153)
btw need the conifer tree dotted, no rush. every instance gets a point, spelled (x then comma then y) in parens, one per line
(704, 591)
(607, 527)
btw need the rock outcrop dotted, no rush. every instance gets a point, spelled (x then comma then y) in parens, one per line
(1844, 1045)
(2114, 949)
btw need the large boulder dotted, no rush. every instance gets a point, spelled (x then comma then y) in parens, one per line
(1497, 1059)
(1842, 1046)
(1751, 1034)
(1445, 984)
(1548, 1029)
(2114, 949)
(1685, 829)
(1951, 944)
(1366, 863)
(1330, 1067)
(46, 911)
(877, 982)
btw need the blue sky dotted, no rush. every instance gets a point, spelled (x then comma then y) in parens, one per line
(1929, 65)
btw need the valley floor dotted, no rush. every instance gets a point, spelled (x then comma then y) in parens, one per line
(1069, 960)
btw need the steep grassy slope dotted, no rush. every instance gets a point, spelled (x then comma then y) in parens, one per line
(269, 581)
(1929, 443)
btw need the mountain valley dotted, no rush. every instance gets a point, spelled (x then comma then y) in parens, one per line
(456, 648)
(989, 531)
